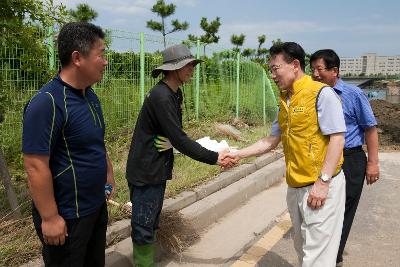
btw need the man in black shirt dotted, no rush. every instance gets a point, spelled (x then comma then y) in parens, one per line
(150, 161)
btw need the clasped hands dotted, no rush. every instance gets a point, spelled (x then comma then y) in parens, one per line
(227, 159)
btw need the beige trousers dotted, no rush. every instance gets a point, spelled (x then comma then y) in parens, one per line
(317, 232)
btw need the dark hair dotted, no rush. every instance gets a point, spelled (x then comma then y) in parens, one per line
(290, 51)
(77, 36)
(329, 56)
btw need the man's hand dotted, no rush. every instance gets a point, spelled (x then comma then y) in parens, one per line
(318, 194)
(233, 155)
(226, 160)
(372, 172)
(162, 143)
(110, 177)
(54, 230)
(40, 183)
(111, 181)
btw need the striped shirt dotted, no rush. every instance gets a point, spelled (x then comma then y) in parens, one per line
(358, 113)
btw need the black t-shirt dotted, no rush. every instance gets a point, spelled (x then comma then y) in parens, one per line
(161, 114)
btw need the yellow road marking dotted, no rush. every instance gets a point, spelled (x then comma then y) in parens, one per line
(254, 254)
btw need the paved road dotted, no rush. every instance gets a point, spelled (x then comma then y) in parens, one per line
(375, 237)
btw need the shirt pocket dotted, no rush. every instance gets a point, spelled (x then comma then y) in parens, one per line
(299, 119)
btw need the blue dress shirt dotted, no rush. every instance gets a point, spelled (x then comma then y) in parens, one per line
(358, 113)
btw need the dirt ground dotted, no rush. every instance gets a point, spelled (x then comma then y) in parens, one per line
(388, 117)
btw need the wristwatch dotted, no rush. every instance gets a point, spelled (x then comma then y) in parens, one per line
(324, 177)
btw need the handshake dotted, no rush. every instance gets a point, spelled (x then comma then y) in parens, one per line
(227, 159)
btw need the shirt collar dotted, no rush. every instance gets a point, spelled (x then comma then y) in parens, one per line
(298, 85)
(339, 86)
(70, 87)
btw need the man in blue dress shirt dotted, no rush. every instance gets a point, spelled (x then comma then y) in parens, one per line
(361, 128)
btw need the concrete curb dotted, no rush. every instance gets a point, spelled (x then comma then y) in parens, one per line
(122, 229)
(221, 181)
(213, 203)
(208, 210)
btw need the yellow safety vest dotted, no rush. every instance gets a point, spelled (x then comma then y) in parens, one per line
(303, 143)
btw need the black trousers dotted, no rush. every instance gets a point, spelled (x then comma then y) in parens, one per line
(354, 167)
(84, 245)
(147, 202)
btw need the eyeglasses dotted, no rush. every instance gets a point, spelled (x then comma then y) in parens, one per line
(274, 68)
(320, 69)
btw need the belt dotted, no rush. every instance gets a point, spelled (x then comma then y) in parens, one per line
(333, 176)
(352, 150)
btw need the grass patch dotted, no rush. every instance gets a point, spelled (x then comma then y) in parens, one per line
(19, 242)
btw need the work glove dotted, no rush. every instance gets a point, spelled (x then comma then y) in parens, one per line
(162, 143)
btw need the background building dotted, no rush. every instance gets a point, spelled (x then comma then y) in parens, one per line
(370, 64)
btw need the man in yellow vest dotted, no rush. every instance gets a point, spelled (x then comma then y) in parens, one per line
(311, 126)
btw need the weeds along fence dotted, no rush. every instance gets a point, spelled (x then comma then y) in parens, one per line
(224, 85)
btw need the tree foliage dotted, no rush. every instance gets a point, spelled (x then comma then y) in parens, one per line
(238, 40)
(277, 41)
(165, 10)
(20, 20)
(83, 12)
(210, 31)
(263, 51)
(261, 41)
(23, 26)
(248, 52)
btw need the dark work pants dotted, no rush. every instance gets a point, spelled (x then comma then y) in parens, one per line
(147, 202)
(84, 245)
(354, 167)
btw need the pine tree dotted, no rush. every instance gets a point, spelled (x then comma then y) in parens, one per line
(165, 10)
(83, 13)
(238, 41)
(210, 32)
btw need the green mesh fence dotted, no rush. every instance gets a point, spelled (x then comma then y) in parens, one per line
(20, 77)
(223, 86)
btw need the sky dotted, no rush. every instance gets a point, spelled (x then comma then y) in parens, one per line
(350, 27)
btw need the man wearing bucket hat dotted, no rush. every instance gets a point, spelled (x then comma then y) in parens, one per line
(150, 160)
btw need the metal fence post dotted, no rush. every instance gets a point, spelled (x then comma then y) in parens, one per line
(263, 88)
(50, 45)
(237, 83)
(269, 87)
(197, 81)
(141, 67)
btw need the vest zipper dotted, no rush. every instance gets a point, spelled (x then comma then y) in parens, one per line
(313, 159)
(288, 142)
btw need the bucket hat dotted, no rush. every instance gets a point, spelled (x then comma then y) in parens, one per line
(174, 58)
